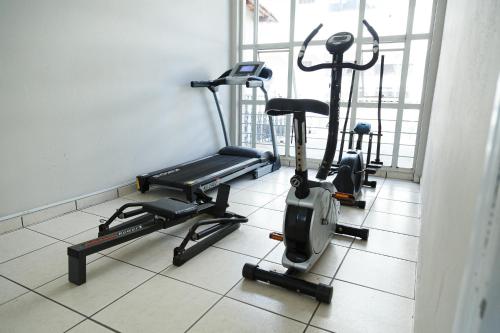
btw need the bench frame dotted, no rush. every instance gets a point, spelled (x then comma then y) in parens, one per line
(222, 224)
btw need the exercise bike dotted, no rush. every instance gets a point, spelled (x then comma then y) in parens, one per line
(351, 171)
(312, 207)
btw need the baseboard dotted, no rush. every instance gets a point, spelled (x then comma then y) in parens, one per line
(41, 214)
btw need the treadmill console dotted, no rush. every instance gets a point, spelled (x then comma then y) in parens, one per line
(242, 71)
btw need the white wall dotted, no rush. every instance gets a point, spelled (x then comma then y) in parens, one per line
(462, 106)
(94, 92)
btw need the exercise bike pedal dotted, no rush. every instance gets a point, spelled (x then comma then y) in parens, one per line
(276, 236)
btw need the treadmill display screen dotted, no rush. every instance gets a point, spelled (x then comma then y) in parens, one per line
(245, 70)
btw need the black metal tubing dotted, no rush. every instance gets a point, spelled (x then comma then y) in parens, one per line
(344, 129)
(320, 291)
(379, 134)
(148, 223)
(181, 257)
(352, 231)
(333, 128)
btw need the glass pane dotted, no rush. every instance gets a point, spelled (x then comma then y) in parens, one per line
(406, 151)
(422, 18)
(316, 85)
(246, 125)
(274, 21)
(263, 131)
(411, 114)
(336, 16)
(405, 162)
(247, 21)
(278, 63)
(387, 17)
(416, 70)
(369, 79)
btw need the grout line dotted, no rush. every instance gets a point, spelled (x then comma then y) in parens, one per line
(222, 297)
(381, 290)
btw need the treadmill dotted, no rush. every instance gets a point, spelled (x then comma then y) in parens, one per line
(198, 176)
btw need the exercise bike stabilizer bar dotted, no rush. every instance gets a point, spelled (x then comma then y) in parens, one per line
(336, 67)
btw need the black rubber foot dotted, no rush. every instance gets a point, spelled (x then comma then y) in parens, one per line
(324, 293)
(248, 271)
(361, 204)
(364, 233)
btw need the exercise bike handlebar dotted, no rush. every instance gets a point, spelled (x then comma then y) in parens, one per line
(344, 64)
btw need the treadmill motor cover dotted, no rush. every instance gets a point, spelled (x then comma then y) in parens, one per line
(246, 152)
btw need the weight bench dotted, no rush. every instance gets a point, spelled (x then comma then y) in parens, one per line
(152, 216)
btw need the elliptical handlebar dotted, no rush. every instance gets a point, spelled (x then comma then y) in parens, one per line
(342, 65)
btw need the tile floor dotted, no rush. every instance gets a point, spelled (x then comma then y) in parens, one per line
(133, 287)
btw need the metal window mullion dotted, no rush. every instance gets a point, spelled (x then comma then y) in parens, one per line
(402, 87)
(424, 86)
(240, 56)
(254, 91)
(354, 102)
(288, 122)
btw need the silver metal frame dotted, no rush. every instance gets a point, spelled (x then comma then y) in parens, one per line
(400, 106)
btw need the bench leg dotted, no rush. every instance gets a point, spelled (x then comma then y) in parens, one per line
(77, 269)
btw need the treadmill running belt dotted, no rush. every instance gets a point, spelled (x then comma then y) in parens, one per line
(204, 167)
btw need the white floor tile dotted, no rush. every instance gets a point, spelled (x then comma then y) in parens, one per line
(356, 309)
(391, 222)
(9, 290)
(214, 269)
(67, 225)
(352, 215)
(232, 316)
(342, 240)
(400, 195)
(396, 207)
(241, 209)
(19, 242)
(268, 187)
(277, 204)
(41, 266)
(34, 313)
(389, 243)
(154, 251)
(251, 198)
(248, 240)
(108, 208)
(89, 326)
(267, 218)
(277, 299)
(107, 280)
(402, 185)
(326, 265)
(379, 272)
(312, 329)
(159, 305)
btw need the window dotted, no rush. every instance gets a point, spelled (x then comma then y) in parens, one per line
(273, 30)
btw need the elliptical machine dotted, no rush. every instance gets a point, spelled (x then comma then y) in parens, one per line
(312, 208)
(352, 173)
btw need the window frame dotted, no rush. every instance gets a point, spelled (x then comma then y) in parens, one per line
(289, 46)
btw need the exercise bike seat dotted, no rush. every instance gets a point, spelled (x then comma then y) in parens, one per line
(362, 128)
(169, 208)
(283, 106)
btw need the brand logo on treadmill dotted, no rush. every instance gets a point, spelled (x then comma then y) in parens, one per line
(166, 173)
(129, 230)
